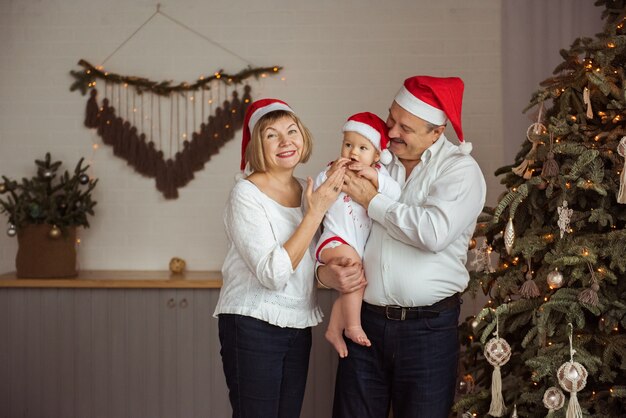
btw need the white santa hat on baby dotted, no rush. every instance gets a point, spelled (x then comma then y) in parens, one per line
(436, 100)
(373, 128)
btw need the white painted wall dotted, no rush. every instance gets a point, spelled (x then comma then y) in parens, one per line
(340, 57)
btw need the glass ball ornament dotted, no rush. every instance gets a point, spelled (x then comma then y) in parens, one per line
(555, 279)
(497, 351)
(12, 231)
(553, 398)
(55, 232)
(572, 376)
(472, 244)
(83, 179)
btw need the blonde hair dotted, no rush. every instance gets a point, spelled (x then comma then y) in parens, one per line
(254, 150)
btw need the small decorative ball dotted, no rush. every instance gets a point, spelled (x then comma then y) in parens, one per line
(177, 265)
(553, 398)
(12, 231)
(555, 279)
(497, 351)
(55, 232)
(466, 384)
(472, 244)
(475, 323)
(83, 179)
(572, 376)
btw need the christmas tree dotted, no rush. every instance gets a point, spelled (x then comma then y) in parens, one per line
(59, 200)
(551, 340)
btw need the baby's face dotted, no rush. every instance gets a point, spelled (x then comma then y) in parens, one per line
(356, 147)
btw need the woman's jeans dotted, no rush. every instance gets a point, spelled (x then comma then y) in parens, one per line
(411, 367)
(265, 366)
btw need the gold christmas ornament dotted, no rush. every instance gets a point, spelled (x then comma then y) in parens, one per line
(555, 279)
(472, 244)
(177, 265)
(55, 232)
(509, 236)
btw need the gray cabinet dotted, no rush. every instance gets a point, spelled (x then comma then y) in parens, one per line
(98, 352)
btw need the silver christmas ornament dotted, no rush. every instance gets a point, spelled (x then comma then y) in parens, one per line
(555, 279)
(83, 179)
(553, 398)
(12, 231)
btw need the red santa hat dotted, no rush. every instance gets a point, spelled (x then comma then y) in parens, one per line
(436, 100)
(373, 128)
(254, 113)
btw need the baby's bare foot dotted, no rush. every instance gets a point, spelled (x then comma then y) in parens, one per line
(336, 339)
(357, 335)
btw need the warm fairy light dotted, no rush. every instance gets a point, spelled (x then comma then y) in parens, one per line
(596, 138)
(95, 146)
(601, 113)
(218, 75)
(125, 85)
(282, 79)
(246, 101)
(617, 118)
(106, 74)
(585, 252)
(215, 135)
(514, 189)
(573, 118)
(549, 343)
(515, 261)
(134, 109)
(210, 101)
(568, 185)
(88, 71)
(184, 135)
(275, 69)
(505, 265)
(226, 126)
(234, 111)
(611, 45)
(201, 77)
(77, 240)
(263, 75)
(191, 98)
(545, 299)
(598, 70)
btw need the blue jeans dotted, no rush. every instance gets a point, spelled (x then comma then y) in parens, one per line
(410, 367)
(265, 366)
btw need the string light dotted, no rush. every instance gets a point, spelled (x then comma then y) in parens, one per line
(611, 45)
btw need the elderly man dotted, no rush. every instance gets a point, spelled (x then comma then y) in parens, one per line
(414, 262)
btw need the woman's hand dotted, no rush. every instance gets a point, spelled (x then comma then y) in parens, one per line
(337, 164)
(320, 200)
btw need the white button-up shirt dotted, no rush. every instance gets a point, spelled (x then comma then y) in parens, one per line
(417, 249)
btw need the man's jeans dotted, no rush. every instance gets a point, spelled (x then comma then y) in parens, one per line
(411, 366)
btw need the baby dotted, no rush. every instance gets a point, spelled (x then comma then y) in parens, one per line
(347, 225)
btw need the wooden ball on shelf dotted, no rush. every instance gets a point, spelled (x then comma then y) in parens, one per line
(177, 265)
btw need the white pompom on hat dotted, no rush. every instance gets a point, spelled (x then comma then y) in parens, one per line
(374, 129)
(254, 113)
(436, 100)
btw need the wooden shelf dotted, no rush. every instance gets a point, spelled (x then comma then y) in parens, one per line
(122, 279)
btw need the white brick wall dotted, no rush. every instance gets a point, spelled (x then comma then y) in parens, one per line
(340, 57)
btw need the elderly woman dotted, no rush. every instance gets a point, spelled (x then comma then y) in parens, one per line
(267, 303)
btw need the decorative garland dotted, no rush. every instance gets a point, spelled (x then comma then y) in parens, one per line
(86, 79)
(117, 115)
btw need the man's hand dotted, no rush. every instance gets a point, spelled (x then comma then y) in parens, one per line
(342, 274)
(360, 189)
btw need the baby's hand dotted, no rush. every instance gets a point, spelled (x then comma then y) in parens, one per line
(340, 163)
(365, 171)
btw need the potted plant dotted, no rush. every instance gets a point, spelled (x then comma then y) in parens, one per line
(44, 212)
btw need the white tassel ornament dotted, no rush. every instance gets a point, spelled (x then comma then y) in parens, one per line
(497, 352)
(621, 149)
(572, 377)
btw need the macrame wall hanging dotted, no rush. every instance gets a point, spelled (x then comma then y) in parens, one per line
(163, 130)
